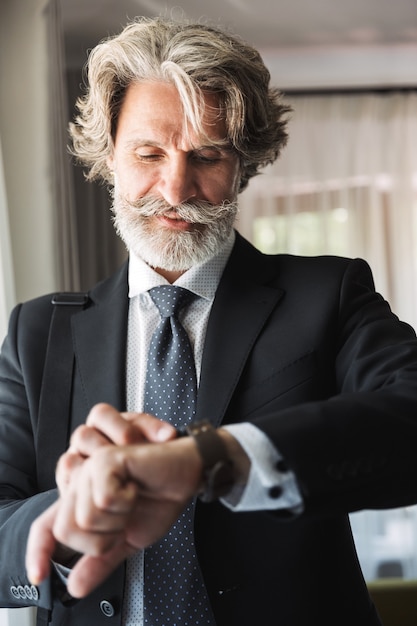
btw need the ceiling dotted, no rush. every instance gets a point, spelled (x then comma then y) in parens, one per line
(297, 37)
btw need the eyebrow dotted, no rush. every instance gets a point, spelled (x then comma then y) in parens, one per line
(140, 143)
(221, 145)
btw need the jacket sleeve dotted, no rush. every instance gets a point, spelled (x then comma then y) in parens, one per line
(354, 447)
(21, 366)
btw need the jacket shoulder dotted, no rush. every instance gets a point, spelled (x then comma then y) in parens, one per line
(289, 269)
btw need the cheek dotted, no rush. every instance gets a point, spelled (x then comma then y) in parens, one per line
(223, 185)
(133, 184)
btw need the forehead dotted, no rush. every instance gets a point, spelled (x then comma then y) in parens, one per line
(156, 108)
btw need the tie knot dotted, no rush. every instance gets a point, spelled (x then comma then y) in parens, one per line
(170, 299)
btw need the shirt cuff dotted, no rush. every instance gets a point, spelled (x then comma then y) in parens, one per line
(270, 486)
(62, 571)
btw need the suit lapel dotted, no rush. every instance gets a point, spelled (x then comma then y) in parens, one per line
(99, 335)
(241, 308)
(242, 305)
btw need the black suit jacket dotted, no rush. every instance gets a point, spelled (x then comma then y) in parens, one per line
(302, 347)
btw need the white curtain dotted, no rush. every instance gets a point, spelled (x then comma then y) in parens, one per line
(64, 198)
(33, 170)
(355, 156)
(356, 152)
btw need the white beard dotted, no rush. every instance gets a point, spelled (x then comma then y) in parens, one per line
(169, 250)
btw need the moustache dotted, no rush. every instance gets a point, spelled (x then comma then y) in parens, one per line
(199, 212)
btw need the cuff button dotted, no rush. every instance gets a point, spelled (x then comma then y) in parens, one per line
(35, 592)
(275, 492)
(281, 466)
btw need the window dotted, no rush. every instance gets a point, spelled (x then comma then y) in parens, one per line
(305, 232)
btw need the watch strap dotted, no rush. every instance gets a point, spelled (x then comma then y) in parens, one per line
(218, 469)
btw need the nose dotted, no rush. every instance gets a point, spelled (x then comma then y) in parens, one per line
(178, 181)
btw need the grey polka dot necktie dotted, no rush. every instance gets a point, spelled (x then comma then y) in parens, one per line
(171, 386)
(174, 592)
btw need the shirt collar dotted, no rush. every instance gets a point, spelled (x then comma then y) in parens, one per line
(201, 279)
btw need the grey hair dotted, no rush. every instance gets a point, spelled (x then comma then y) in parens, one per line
(196, 58)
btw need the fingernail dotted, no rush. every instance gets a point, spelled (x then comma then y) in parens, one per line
(34, 577)
(164, 432)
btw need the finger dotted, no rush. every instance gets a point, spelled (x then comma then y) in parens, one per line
(86, 439)
(154, 430)
(129, 428)
(91, 571)
(66, 531)
(106, 488)
(41, 546)
(112, 425)
(67, 465)
(95, 505)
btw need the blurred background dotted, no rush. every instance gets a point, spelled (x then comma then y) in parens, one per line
(346, 184)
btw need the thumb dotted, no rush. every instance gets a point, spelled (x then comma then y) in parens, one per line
(153, 429)
(41, 546)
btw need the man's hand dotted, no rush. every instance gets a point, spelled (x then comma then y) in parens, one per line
(123, 483)
(106, 426)
(121, 499)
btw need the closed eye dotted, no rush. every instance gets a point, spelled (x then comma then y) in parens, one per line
(207, 160)
(208, 156)
(148, 157)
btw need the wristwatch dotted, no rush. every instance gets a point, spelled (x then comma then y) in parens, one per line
(218, 469)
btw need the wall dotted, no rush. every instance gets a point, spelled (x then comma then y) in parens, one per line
(25, 142)
(25, 146)
(332, 68)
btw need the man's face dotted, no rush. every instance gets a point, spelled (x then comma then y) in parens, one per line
(175, 193)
